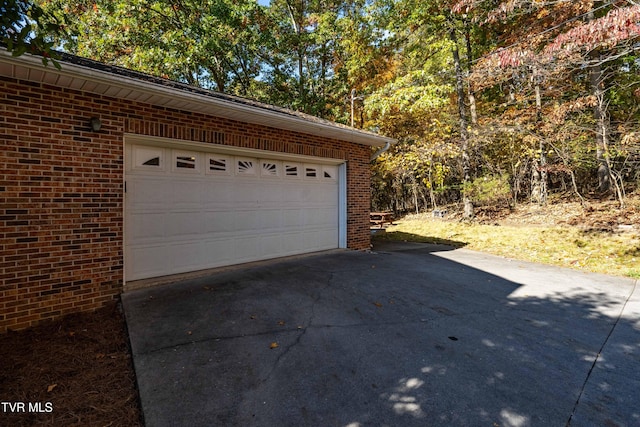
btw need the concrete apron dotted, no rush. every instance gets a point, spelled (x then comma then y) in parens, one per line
(407, 335)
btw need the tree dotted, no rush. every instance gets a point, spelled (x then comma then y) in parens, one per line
(26, 27)
(208, 43)
(429, 81)
(578, 39)
(315, 43)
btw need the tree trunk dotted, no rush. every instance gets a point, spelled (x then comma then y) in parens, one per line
(414, 187)
(606, 179)
(542, 166)
(432, 194)
(602, 127)
(596, 81)
(296, 16)
(464, 123)
(472, 95)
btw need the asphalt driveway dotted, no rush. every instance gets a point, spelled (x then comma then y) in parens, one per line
(408, 335)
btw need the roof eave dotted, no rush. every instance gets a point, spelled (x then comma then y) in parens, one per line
(27, 67)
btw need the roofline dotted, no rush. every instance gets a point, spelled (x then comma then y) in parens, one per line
(95, 77)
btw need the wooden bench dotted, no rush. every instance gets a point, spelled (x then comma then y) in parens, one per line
(380, 218)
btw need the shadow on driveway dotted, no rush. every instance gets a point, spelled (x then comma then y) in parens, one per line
(406, 335)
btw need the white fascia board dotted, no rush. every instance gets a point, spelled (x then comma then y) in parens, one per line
(195, 102)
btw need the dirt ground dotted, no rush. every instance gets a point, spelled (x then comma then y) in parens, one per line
(73, 372)
(592, 214)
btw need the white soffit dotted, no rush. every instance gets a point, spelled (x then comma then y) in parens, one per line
(27, 67)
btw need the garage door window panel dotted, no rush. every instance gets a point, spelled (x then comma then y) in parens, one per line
(246, 167)
(311, 172)
(186, 162)
(330, 173)
(292, 170)
(218, 165)
(148, 158)
(188, 210)
(270, 169)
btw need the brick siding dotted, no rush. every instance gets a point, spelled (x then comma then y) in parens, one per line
(61, 191)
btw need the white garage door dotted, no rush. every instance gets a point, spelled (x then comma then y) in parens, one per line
(187, 210)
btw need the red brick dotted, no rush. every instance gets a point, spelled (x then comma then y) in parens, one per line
(58, 256)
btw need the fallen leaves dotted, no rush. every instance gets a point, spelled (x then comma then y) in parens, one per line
(91, 369)
(273, 345)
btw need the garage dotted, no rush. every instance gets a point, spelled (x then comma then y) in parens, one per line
(191, 207)
(114, 179)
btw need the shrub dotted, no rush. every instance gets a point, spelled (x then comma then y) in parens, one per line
(489, 190)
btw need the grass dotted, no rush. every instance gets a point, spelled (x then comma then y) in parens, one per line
(615, 253)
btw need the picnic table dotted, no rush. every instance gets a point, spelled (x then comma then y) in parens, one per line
(380, 218)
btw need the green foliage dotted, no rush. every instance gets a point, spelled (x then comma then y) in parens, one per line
(489, 190)
(396, 55)
(210, 43)
(27, 28)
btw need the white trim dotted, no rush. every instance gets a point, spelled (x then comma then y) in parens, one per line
(92, 80)
(342, 206)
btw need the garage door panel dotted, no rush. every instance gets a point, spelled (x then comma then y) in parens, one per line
(293, 242)
(270, 244)
(320, 218)
(270, 195)
(246, 248)
(186, 193)
(292, 218)
(150, 192)
(218, 252)
(247, 191)
(270, 219)
(325, 218)
(245, 209)
(218, 191)
(146, 227)
(184, 225)
(218, 222)
(186, 256)
(326, 238)
(246, 221)
(326, 195)
(142, 260)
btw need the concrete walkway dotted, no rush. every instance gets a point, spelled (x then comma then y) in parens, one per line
(408, 335)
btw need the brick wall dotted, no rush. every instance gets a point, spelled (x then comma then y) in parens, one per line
(61, 191)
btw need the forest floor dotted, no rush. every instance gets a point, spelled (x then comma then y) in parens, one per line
(79, 369)
(76, 371)
(596, 236)
(602, 215)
